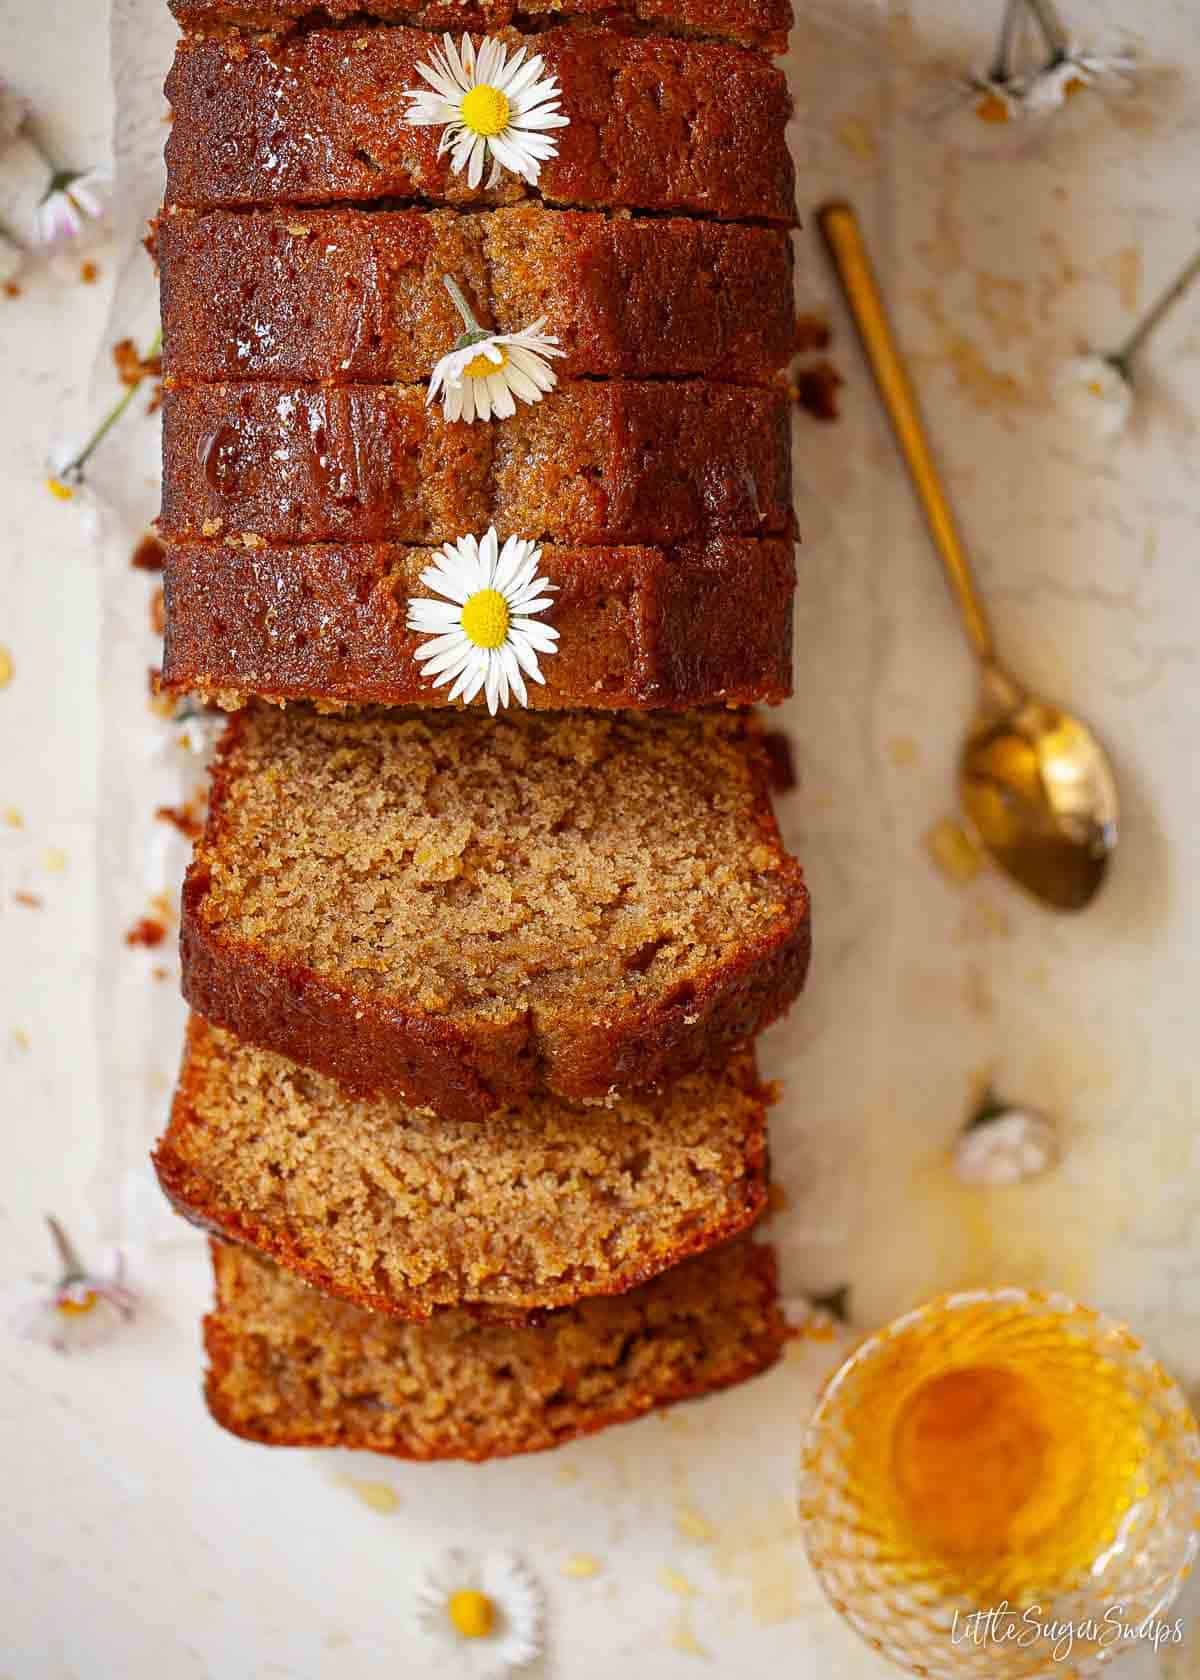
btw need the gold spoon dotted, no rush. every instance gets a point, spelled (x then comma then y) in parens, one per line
(1034, 782)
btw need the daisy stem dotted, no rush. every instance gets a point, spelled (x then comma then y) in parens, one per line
(460, 303)
(68, 1257)
(1055, 36)
(74, 467)
(1001, 69)
(1121, 357)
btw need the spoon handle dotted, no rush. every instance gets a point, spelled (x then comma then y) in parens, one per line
(844, 242)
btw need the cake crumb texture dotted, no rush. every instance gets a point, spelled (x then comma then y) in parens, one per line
(405, 1213)
(462, 908)
(289, 1367)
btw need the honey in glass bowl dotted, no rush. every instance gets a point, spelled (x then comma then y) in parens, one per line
(996, 1475)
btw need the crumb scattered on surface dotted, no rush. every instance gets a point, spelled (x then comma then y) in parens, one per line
(12, 817)
(20, 1038)
(953, 851)
(904, 752)
(812, 333)
(692, 1524)
(186, 818)
(581, 1566)
(89, 273)
(683, 1637)
(158, 612)
(54, 860)
(566, 1473)
(674, 1580)
(131, 367)
(777, 1198)
(11, 289)
(149, 553)
(146, 932)
(857, 138)
(816, 390)
(6, 667)
(158, 972)
(28, 900)
(377, 1495)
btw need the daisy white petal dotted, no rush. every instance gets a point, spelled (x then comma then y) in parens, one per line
(491, 104)
(512, 675)
(1096, 393)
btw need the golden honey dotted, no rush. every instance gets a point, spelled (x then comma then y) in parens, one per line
(994, 1457)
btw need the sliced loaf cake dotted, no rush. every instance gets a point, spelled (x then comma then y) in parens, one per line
(317, 116)
(697, 624)
(405, 1213)
(289, 1367)
(463, 909)
(352, 296)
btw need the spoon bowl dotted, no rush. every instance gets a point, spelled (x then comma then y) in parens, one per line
(1033, 781)
(1037, 789)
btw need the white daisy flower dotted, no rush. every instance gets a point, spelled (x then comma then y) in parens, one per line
(484, 1614)
(1075, 70)
(484, 371)
(84, 1309)
(72, 202)
(489, 105)
(484, 634)
(1007, 1147)
(1095, 391)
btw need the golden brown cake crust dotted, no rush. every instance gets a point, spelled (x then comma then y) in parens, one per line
(288, 1367)
(464, 1060)
(355, 297)
(755, 23)
(405, 1213)
(314, 117)
(700, 624)
(621, 462)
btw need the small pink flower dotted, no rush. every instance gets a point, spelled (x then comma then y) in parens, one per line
(84, 1309)
(72, 203)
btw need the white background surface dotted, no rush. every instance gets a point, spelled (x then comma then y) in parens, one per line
(138, 1540)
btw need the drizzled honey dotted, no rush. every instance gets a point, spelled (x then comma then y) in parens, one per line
(993, 1453)
(1003, 1452)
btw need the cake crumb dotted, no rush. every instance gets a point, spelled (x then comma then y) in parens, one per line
(691, 1523)
(566, 1473)
(89, 273)
(778, 1199)
(6, 667)
(581, 1566)
(683, 1637)
(186, 818)
(28, 900)
(377, 1495)
(20, 1038)
(54, 860)
(674, 1580)
(812, 333)
(146, 932)
(149, 554)
(953, 851)
(158, 612)
(816, 390)
(12, 817)
(904, 752)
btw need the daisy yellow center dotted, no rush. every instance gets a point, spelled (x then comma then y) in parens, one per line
(992, 109)
(485, 110)
(1095, 387)
(485, 618)
(482, 367)
(71, 1308)
(472, 1613)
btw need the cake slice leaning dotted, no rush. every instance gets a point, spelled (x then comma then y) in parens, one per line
(464, 909)
(289, 1367)
(406, 1213)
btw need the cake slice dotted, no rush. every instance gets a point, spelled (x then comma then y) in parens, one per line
(654, 124)
(464, 909)
(353, 297)
(698, 624)
(637, 462)
(290, 1368)
(406, 1213)
(761, 23)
